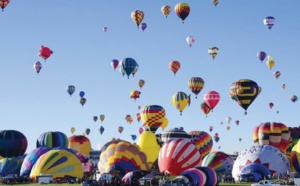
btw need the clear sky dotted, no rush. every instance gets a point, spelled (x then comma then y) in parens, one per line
(33, 104)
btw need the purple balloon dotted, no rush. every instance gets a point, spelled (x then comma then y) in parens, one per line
(261, 55)
(143, 26)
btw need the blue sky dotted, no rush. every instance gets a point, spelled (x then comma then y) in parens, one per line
(34, 104)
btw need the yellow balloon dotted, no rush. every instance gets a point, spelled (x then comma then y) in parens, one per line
(180, 100)
(72, 130)
(270, 63)
(148, 144)
(165, 123)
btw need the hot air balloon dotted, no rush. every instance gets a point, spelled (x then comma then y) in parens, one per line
(166, 10)
(276, 74)
(95, 118)
(283, 86)
(174, 66)
(128, 66)
(135, 94)
(70, 89)
(141, 83)
(148, 144)
(210, 128)
(133, 137)
(52, 139)
(138, 117)
(269, 22)
(205, 108)
(190, 40)
(114, 63)
(203, 142)
(180, 100)
(128, 118)
(237, 122)
(228, 127)
(37, 66)
(196, 84)
(228, 119)
(216, 138)
(122, 157)
(153, 116)
(11, 166)
(137, 16)
(240, 139)
(262, 55)
(80, 144)
(72, 130)
(272, 133)
(143, 26)
(105, 29)
(182, 10)
(165, 123)
(120, 129)
(244, 91)
(215, 2)
(270, 63)
(101, 130)
(82, 101)
(87, 131)
(271, 105)
(213, 51)
(3, 4)
(12, 143)
(219, 161)
(262, 161)
(58, 163)
(294, 98)
(45, 52)
(102, 117)
(212, 98)
(177, 155)
(141, 130)
(81, 94)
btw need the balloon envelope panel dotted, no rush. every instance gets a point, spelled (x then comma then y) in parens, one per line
(11, 165)
(52, 139)
(80, 144)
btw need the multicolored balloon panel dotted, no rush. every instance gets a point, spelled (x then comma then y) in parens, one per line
(80, 144)
(153, 116)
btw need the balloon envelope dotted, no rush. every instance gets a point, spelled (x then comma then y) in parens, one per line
(12, 143)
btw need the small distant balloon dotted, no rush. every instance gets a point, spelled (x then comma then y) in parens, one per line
(294, 98)
(166, 10)
(270, 63)
(261, 55)
(105, 29)
(72, 130)
(215, 2)
(70, 89)
(190, 40)
(45, 52)
(269, 22)
(82, 101)
(143, 26)
(102, 117)
(114, 63)
(213, 51)
(95, 118)
(283, 86)
(174, 66)
(276, 74)
(81, 94)
(271, 105)
(37, 66)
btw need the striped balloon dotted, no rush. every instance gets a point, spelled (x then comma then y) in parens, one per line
(173, 134)
(174, 66)
(195, 176)
(196, 84)
(177, 156)
(272, 133)
(219, 161)
(52, 139)
(203, 142)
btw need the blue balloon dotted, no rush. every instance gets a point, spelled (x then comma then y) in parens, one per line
(133, 137)
(128, 66)
(261, 55)
(269, 21)
(81, 94)
(70, 89)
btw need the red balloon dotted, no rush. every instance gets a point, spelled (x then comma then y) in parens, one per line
(212, 98)
(45, 52)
